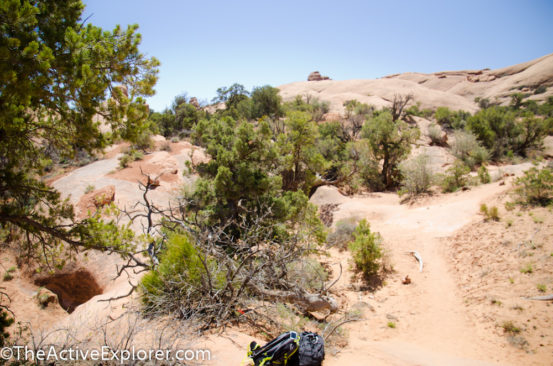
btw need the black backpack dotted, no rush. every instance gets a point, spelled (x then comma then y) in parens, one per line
(283, 350)
(289, 349)
(311, 349)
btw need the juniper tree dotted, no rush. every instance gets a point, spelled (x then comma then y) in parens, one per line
(58, 77)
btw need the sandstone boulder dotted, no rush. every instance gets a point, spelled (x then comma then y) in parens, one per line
(194, 102)
(103, 196)
(316, 76)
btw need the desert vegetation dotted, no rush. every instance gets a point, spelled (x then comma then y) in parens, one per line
(242, 241)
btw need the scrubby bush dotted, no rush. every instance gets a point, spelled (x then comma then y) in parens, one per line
(483, 102)
(456, 177)
(466, 147)
(179, 119)
(490, 213)
(129, 156)
(417, 175)
(356, 115)
(451, 119)
(540, 89)
(437, 136)
(415, 110)
(343, 233)
(366, 249)
(535, 187)
(311, 275)
(546, 108)
(444, 116)
(182, 273)
(503, 132)
(314, 106)
(516, 100)
(484, 175)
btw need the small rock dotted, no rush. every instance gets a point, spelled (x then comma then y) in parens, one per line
(45, 297)
(406, 280)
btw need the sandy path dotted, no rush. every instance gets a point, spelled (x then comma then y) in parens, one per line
(432, 324)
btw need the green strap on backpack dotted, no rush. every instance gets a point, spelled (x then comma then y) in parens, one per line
(279, 351)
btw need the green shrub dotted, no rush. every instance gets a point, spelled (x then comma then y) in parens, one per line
(415, 110)
(366, 250)
(527, 269)
(5, 322)
(484, 175)
(456, 177)
(466, 147)
(451, 119)
(314, 106)
(540, 89)
(483, 208)
(144, 140)
(89, 188)
(8, 276)
(509, 327)
(417, 175)
(535, 187)
(491, 213)
(483, 102)
(502, 131)
(129, 156)
(541, 287)
(180, 273)
(444, 116)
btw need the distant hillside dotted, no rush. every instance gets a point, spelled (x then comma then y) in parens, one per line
(453, 89)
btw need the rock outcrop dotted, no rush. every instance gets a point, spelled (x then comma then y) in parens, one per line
(316, 76)
(90, 202)
(194, 101)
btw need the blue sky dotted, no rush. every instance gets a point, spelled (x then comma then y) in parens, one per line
(203, 45)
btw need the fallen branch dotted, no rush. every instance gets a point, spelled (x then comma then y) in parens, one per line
(325, 290)
(309, 302)
(326, 336)
(418, 257)
(540, 298)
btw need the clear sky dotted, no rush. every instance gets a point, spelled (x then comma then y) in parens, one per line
(203, 45)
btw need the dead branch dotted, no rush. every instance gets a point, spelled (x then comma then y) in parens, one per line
(308, 301)
(540, 298)
(418, 258)
(398, 105)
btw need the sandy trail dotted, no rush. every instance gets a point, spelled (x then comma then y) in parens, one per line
(432, 324)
